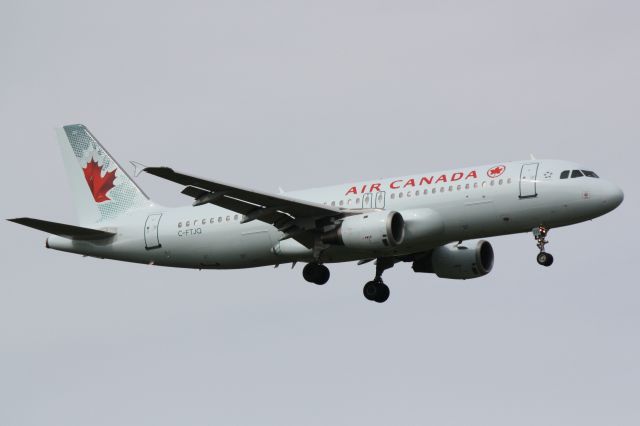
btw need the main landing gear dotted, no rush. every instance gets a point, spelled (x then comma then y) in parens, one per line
(377, 290)
(316, 273)
(540, 234)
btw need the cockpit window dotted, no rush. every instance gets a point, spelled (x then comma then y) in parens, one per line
(576, 174)
(588, 173)
(564, 174)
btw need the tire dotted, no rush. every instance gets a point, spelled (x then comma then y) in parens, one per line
(543, 258)
(383, 293)
(309, 272)
(322, 275)
(370, 290)
(549, 260)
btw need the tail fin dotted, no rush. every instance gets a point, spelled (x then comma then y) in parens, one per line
(102, 190)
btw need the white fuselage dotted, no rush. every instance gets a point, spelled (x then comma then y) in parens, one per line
(438, 208)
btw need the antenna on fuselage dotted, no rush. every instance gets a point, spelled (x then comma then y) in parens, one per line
(532, 156)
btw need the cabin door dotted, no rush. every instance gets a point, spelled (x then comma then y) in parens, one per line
(151, 240)
(528, 179)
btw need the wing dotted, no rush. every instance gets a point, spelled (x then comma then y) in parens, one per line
(289, 215)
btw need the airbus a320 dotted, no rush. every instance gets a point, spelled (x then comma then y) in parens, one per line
(421, 219)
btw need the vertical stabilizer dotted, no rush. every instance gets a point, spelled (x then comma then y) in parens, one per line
(102, 190)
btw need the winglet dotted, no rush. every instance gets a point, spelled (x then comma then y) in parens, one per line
(137, 168)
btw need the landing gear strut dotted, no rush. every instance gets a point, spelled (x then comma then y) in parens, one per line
(540, 234)
(316, 273)
(377, 290)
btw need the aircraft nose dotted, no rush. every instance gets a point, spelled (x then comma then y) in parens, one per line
(616, 196)
(613, 196)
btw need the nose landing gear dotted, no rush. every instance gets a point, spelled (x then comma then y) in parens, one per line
(540, 234)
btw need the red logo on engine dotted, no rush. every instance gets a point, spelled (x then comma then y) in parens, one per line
(496, 171)
(98, 184)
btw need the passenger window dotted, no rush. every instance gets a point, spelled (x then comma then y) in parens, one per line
(590, 174)
(341, 202)
(235, 217)
(213, 220)
(426, 191)
(500, 182)
(576, 174)
(393, 196)
(459, 187)
(509, 180)
(408, 193)
(219, 219)
(187, 224)
(417, 193)
(493, 182)
(450, 188)
(228, 218)
(433, 191)
(442, 189)
(400, 195)
(475, 185)
(564, 174)
(204, 221)
(466, 186)
(179, 224)
(333, 203)
(358, 200)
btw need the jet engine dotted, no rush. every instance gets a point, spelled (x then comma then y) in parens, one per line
(368, 231)
(458, 262)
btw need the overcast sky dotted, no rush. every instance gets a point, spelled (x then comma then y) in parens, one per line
(300, 94)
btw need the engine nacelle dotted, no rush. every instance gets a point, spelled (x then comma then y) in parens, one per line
(458, 262)
(368, 231)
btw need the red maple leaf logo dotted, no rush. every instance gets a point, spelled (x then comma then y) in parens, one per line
(496, 171)
(98, 184)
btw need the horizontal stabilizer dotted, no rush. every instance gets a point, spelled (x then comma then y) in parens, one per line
(63, 230)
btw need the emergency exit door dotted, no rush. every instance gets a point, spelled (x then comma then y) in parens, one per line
(151, 238)
(528, 180)
(373, 200)
(367, 200)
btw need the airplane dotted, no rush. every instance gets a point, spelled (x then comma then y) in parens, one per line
(423, 219)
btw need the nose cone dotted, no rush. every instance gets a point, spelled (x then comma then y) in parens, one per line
(613, 196)
(616, 197)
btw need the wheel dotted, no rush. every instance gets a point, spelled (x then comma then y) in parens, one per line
(308, 272)
(323, 275)
(544, 259)
(370, 289)
(376, 291)
(383, 293)
(317, 274)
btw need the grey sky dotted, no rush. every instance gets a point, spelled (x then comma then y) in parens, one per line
(298, 94)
